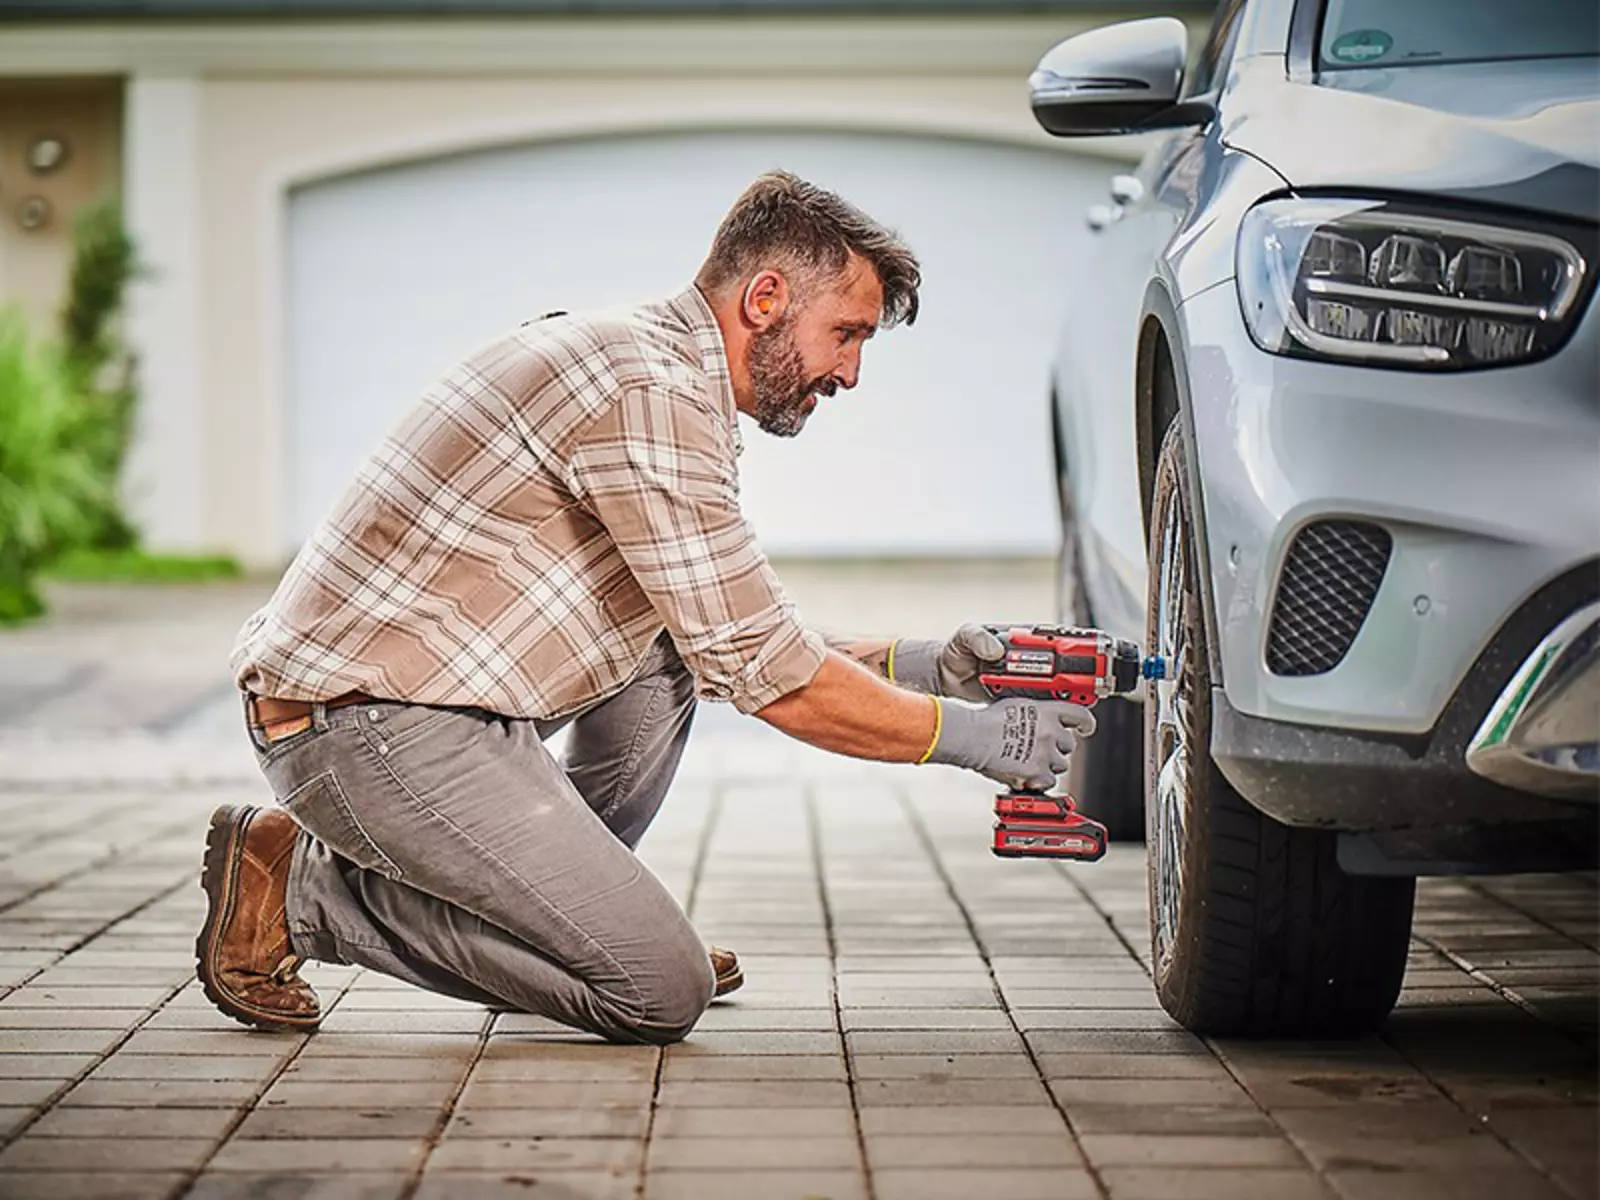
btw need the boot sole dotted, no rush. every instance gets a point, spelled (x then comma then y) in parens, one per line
(219, 879)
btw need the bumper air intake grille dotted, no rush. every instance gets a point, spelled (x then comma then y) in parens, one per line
(1329, 580)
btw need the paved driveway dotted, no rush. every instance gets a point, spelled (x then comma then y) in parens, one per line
(922, 1021)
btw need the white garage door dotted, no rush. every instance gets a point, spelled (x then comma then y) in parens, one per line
(942, 449)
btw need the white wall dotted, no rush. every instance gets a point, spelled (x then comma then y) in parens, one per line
(393, 274)
(164, 482)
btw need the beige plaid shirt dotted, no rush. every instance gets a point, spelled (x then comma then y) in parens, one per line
(530, 527)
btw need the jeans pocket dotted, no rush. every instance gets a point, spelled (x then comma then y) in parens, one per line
(268, 753)
(323, 810)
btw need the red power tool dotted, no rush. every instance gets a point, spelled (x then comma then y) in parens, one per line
(1052, 662)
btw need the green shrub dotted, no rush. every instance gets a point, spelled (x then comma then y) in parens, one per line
(104, 262)
(52, 491)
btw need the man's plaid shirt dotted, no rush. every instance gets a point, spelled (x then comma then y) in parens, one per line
(530, 527)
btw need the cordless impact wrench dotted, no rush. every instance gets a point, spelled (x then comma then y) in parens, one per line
(1052, 662)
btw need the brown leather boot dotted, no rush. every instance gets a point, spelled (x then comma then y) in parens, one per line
(725, 964)
(243, 957)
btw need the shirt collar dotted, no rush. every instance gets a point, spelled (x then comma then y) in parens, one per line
(695, 311)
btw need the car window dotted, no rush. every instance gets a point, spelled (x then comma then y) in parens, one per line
(1212, 64)
(1402, 33)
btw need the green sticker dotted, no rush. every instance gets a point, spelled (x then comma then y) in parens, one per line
(1361, 46)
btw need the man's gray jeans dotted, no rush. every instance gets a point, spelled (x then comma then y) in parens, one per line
(447, 847)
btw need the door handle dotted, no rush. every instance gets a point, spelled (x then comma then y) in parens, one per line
(1126, 190)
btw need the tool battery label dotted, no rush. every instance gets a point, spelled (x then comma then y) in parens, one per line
(1052, 841)
(1030, 662)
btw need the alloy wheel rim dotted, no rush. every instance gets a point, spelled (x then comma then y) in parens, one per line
(1172, 749)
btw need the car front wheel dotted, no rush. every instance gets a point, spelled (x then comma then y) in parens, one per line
(1255, 929)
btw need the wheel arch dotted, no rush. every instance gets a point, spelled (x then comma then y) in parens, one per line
(1161, 398)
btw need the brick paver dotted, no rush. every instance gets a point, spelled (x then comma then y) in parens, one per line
(921, 1019)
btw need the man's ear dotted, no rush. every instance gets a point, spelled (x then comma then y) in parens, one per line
(766, 297)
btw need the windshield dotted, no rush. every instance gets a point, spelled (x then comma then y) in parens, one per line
(1406, 33)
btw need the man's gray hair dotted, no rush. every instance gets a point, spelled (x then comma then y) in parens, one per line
(782, 221)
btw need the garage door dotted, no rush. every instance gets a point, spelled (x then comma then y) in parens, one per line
(942, 449)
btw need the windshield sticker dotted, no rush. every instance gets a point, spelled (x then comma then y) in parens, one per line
(1361, 46)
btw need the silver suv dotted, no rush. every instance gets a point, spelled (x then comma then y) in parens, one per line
(1327, 422)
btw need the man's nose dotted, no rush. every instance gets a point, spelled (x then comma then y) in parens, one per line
(849, 372)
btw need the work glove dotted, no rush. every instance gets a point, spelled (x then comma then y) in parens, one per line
(1020, 743)
(948, 668)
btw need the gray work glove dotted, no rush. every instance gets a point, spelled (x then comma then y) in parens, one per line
(948, 668)
(1020, 743)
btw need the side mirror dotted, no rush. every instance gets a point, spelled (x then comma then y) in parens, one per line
(1123, 78)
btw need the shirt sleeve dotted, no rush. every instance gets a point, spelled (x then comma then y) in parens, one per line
(657, 470)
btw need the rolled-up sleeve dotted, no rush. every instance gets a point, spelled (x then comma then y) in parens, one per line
(657, 469)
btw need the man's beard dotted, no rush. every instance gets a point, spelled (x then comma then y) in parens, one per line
(783, 394)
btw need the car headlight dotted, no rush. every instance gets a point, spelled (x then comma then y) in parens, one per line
(1361, 281)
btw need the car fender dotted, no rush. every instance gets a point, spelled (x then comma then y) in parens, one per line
(1164, 398)
(1215, 185)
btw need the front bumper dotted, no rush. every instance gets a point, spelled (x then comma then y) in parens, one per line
(1411, 804)
(1365, 781)
(1543, 733)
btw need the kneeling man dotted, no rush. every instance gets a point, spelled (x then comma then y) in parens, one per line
(552, 538)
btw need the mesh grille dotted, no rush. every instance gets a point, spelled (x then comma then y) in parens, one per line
(1329, 580)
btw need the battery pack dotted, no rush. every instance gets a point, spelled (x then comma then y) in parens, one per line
(1036, 825)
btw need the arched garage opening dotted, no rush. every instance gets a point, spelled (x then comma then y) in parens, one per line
(943, 449)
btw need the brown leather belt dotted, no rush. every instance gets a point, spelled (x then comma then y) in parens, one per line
(278, 719)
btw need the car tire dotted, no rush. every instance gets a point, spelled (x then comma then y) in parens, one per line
(1255, 930)
(1106, 775)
